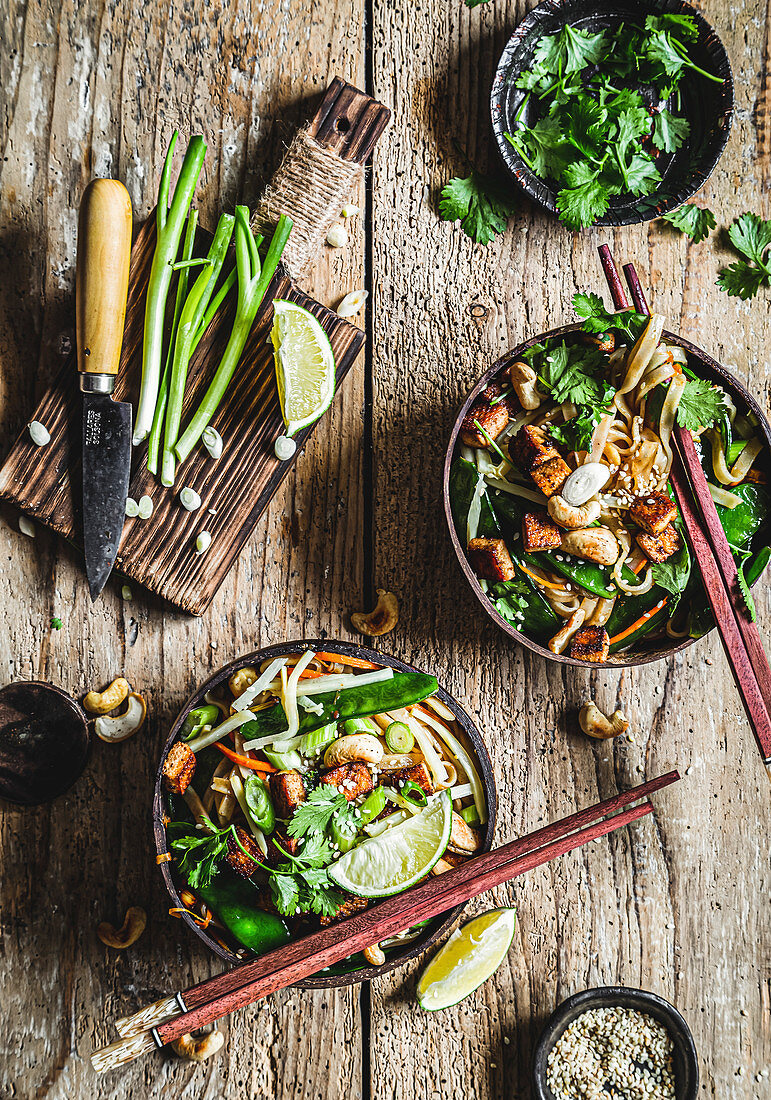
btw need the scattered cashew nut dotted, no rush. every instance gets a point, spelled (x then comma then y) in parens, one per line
(353, 746)
(133, 926)
(380, 621)
(102, 702)
(123, 725)
(241, 680)
(198, 1048)
(525, 383)
(375, 955)
(601, 726)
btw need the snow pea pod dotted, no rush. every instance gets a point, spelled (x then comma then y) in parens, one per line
(233, 901)
(402, 690)
(197, 719)
(629, 609)
(744, 521)
(463, 483)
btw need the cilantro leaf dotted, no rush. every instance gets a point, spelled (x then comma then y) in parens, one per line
(744, 588)
(583, 120)
(481, 204)
(569, 51)
(641, 175)
(751, 237)
(692, 220)
(510, 599)
(576, 434)
(315, 813)
(633, 123)
(585, 199)
(597, 319)
(673, 574)
(660, 50)
(542, 147)
(198, 854)
(682, 25)
(669, 131)
(571, 373)
(701, 405)
(285, 892)
(316, 852)
(56, 623)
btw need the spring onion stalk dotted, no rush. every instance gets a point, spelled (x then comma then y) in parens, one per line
(216, 302)
(170, 221)
(220, 731)
(190, 320)
(336, 682)
(154, 442)
(284, 761)
(253, 282)
(385, 823)
(313, 744)
(237, 788)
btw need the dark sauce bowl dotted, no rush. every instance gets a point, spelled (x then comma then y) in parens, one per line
(686, 1063)
(44, 742)
(354, 971)
(649, 649)
(708, 106)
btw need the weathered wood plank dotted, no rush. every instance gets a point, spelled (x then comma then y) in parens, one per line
(650, 907)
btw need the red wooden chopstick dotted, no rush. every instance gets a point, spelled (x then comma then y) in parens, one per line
(287, 965)
(740, 637)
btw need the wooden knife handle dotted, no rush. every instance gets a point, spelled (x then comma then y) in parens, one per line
(101, 284)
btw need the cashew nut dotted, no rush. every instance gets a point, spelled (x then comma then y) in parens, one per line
(132, 928)
(598, 725)
(560, 640)
(374, 955)
(198, 1048)
(462, 837)
(123, 725)
(380, 621)
(597, 544)
(102, 702)
(566, 515)
(525, 383)
(241, 680)
(440, 867)
(354, 746)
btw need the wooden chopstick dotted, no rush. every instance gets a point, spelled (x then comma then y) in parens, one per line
(740, 637)
(244, 984)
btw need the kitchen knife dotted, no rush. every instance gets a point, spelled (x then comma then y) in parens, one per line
(104, 251)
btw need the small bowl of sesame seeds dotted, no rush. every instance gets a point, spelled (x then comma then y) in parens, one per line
(612, 1041)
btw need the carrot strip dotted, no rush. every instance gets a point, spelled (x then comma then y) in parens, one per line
(311, 674)
(542, 580)
(341, 659)
(638, 622)
(245, 761)
(640, 566)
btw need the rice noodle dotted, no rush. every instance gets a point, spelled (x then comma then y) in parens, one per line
(723, 496)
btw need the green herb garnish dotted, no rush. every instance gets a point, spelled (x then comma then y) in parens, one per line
(316, 812)
(751, 237)
(482, 204)
(56, 623)
(199, 855)
(597, 319)
(692, 220)
(302, 883)
(701, 405)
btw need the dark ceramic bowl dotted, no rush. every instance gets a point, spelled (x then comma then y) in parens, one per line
(472, 740)
(44, 742)
(615, 996)
(707, 105)
(649, 650)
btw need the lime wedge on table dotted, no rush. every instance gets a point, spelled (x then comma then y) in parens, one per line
(471, 955)
(305, 365)
(399, 857)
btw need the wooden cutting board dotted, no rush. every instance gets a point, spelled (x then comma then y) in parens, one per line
(159, 552)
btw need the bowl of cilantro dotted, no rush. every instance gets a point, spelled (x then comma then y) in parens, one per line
(301, 783)
(609, 112)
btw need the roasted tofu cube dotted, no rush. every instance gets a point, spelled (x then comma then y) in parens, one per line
(591, 643)
(355, 779)
(490, 559)
(240, 862)
(653, 512)
(540, 532)
(492, 417)
(287, 790)
(659, 547)
(277, 854)
(551, 476)
(530, 448)
(417, 773)
(179, 768)
(350, 906)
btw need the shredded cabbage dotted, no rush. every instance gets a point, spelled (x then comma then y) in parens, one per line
(262, 683)
(220, 731)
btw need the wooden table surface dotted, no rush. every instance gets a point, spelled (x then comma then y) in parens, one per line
(678, 904)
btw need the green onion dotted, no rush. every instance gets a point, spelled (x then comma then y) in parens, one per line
(154, 442)
(470, 815)
(170, 221)
(285, 761)
(361, 725)
(491, 442)
(259, 804)
(734, 451)
(399, 737)
(372, 806)
(311, 744)
(253, 282)
(343, 834)
(190, 319)
(197, 719)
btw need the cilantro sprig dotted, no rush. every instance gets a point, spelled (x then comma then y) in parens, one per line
(597, 319)
(751, 237)
(199, 854)
(603, 107)
(701, 405)
(696, 222)
(315, 814)
(301, 883)
(482, 205)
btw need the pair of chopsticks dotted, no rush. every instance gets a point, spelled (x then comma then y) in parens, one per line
(739, 635)
(168, 1019)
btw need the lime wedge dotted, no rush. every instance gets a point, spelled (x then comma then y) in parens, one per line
(305, 365)
(471, 955)
(399, 857)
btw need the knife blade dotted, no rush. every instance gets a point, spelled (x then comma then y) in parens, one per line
(104, 252)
